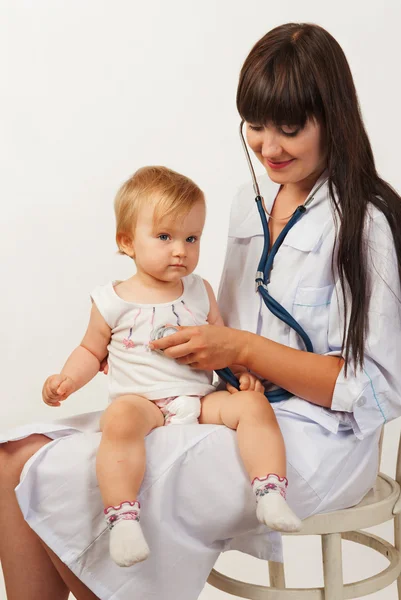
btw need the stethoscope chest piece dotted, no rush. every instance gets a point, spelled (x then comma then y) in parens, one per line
(161, 332)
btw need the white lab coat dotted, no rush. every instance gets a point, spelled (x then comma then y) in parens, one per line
(196, 500)
(302, 281)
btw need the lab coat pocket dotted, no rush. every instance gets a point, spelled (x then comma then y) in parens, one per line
(311, 308)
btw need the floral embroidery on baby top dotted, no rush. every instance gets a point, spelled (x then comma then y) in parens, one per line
(128, 343)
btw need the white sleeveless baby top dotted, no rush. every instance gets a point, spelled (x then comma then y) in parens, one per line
(133, 367)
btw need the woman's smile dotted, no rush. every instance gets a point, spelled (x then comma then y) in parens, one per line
(279, 164)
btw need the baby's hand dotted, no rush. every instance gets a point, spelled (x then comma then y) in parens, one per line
(57, 388)
(104, 366)
(247, 382)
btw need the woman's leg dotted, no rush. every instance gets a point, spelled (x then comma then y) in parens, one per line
(262, 450)
(80, 591)
(28, 571)
(120, 468)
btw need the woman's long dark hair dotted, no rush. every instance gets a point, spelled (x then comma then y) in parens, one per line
(298, 71)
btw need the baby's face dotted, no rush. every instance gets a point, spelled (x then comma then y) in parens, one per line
(171, 250)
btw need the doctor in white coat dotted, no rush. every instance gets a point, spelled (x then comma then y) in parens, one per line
(337, 272)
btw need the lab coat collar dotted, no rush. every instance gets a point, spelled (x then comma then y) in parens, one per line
(305, 235)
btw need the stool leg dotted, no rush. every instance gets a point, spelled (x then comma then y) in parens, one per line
(332, 567)
(276, 573)
(397, 544)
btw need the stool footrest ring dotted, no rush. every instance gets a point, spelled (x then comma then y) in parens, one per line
(351, 590)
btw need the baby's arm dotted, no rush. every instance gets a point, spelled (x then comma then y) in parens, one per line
(83, 364)
(214, 317)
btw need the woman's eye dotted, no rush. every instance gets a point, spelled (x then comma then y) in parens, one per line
(164, 237)
(288, 130)
(192, 239)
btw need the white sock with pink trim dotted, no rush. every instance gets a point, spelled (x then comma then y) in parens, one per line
(127, 542)
(272, 508)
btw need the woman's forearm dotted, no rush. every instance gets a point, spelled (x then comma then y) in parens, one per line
(304, 374)
(81, 366)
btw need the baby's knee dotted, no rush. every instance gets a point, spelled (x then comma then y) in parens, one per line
(122, 418)
(254, 405)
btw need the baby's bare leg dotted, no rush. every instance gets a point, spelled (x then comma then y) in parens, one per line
(120, 467)
(262, 449)
(121, 457)
(259, 437)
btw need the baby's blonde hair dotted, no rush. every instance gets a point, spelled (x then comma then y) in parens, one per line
(172, 194)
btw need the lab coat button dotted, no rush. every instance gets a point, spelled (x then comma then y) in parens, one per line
(361, 401)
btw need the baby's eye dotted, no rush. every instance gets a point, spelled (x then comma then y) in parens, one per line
(192, 239)
(164, 237)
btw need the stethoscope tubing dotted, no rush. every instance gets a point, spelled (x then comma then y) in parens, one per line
(263, 275)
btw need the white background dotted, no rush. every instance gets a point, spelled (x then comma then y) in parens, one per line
(90, 91)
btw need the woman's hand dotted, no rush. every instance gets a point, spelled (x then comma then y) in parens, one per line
(206, 347)
(247, 383)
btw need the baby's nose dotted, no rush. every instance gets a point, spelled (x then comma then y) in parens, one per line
(179, 249)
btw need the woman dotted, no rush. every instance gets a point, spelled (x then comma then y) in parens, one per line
(337, 273)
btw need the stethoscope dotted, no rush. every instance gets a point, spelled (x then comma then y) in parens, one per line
(262, 276)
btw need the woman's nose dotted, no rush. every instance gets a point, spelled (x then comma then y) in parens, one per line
(270, 146)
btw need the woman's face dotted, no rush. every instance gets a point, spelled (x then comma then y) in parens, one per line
(289, 154)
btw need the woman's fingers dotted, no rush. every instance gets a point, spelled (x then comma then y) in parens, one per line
(185, 359)
(176, 339)
(176, 346)
(212, 346)
(181, 353)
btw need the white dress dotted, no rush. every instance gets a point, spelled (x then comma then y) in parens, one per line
(196, 500)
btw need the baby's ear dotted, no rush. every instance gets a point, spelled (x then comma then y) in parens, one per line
(125, 244)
